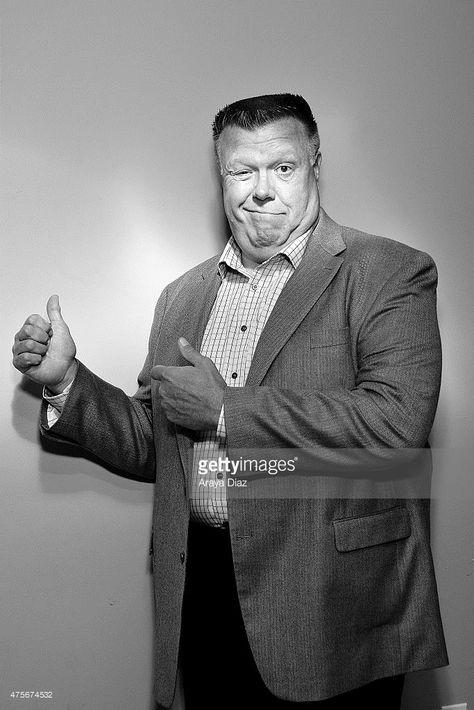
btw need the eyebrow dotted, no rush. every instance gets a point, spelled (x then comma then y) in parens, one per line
(242, 162)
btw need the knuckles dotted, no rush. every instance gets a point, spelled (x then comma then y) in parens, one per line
(31, 331)
(24, 360)
(34, 319)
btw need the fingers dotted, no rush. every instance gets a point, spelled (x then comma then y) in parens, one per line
(33, 336)
(29, 331)
(35, 321)
(26, 360)
(29, 346)
(159, 372)
(31, 342)
(29, 351)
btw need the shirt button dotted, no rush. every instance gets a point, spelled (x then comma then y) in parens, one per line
(243, 328)
(181, 557)
(220, 476)
(234, 375)
(254, 287)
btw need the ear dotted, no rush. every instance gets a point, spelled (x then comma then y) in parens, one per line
(317, 165)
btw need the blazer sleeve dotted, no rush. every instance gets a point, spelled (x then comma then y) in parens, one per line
(103, 420)
(397, 382)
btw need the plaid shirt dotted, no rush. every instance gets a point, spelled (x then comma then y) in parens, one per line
(243, 305)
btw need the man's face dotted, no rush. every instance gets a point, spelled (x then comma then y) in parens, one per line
(270, 186)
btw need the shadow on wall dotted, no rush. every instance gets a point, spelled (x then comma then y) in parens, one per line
(25, 416)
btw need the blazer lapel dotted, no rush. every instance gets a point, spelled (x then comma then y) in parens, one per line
(196, 305)
(318, 267)
(195, 309)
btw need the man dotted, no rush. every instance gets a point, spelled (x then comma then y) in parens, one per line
(302, 335)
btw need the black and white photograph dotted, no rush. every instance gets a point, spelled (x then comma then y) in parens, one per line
(237, 355)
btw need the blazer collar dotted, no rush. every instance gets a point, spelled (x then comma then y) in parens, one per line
(328, 234)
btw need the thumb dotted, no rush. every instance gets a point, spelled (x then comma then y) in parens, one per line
(54, 310)
(188, 352)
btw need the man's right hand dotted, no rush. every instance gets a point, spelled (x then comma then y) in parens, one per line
(45, 352)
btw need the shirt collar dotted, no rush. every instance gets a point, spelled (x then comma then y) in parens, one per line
(231, 257)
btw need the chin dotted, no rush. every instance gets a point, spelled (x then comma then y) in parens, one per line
(268, 233)
(270, 238)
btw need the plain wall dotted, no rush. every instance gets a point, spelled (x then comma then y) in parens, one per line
(110, 192)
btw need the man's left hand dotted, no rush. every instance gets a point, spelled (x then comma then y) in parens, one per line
(191, 396)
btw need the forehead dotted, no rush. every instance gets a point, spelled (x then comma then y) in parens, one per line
(285, 135)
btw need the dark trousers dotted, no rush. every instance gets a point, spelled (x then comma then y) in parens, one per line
(216, 660)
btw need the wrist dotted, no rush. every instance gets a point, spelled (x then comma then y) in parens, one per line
(68, 378)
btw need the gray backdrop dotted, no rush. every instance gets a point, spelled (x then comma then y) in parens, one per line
(110, 192)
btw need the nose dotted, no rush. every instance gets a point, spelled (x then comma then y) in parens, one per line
(263, 188)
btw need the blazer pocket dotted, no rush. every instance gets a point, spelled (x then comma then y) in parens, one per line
(329, 336)
(368, 530)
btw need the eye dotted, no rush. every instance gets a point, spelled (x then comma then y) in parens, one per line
(284, 170)
(240, 174)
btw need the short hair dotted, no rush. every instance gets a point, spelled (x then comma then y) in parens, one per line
(257, 111)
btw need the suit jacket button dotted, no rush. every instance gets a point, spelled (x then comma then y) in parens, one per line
(181, 557)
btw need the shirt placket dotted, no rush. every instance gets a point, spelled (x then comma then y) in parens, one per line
(247, 303)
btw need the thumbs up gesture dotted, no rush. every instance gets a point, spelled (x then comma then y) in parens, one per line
(45, 351)
(191, 396)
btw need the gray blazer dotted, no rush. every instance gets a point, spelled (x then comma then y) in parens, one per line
(335, 592)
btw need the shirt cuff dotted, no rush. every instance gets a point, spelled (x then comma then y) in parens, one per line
(56, 403)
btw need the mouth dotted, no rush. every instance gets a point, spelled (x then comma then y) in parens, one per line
(265, 212)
